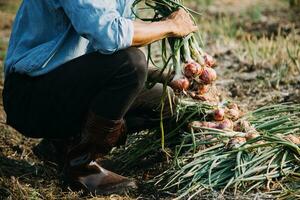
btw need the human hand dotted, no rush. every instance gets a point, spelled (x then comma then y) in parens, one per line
(181, 23)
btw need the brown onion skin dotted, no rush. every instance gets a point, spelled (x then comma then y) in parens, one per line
(211, 125)
(233, 114)
(238, 128)
(219, 114)
(238, 140)
(199, 124)
(192, 94)
(225, 124)
(203, 89)
(208, 75)
(209, 60)
(192, 69)
(244, 126)
(292, 138)
(241, 139)
(199, 97)
(251, 135)
(180, 84)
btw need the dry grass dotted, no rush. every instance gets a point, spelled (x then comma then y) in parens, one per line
(257, 44)
(258, 51)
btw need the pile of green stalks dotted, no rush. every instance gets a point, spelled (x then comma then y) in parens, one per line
(208, 158)
(202, 159)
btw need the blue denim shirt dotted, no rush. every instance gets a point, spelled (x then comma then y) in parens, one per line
(48, 33)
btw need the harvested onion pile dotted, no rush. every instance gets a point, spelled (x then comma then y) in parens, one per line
(262, 153)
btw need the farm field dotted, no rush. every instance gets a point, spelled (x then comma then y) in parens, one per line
(257, 47)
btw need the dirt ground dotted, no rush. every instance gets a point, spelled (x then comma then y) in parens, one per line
(256, 44)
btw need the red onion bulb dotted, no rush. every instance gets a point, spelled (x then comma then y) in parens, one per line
(180, 84)
(209, 60)
(208, 75)
(192, 69)
(219, 114)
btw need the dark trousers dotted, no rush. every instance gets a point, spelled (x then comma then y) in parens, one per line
(55, 105)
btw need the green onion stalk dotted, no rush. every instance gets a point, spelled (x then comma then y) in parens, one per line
(179, 82)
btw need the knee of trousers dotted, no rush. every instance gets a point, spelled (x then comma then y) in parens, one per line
(136, 66)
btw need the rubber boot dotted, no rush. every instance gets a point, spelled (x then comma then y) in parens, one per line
(98, 137)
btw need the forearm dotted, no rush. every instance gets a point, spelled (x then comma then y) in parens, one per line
(146, 33)
(178, 24)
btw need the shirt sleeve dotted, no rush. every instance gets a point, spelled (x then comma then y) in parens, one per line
(101, 23)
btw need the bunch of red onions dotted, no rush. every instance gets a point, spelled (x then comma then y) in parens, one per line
(193, 68)
(191, 65)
